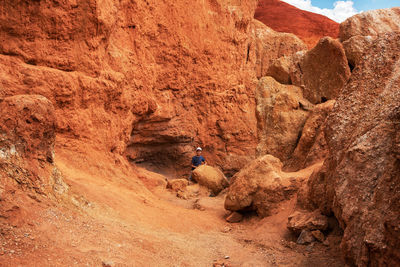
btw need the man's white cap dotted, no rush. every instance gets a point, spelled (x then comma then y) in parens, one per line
(199, 149)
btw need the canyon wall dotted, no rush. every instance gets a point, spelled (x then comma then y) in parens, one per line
(147, 79)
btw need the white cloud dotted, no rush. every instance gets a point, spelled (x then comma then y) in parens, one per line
(340, 12)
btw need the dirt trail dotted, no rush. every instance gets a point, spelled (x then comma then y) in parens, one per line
(109, 216)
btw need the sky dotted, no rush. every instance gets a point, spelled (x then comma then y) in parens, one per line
(341, 10)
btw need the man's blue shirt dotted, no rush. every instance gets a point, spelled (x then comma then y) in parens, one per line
(198, 160)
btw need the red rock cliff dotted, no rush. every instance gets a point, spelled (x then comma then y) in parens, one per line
(147, 79)
(282, 17)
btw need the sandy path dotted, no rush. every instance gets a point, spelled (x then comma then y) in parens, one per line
(114, 218)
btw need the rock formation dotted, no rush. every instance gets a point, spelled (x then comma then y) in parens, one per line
(359, 182)
(321, 72)
(311, 147)
(282, 17)
(282, 109)
(281, 114)
(261, 186)
(269, 45)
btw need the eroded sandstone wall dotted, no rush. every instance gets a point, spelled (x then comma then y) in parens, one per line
(147, 79)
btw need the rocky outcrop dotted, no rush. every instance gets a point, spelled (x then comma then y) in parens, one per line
(358, 32)
(359, 182)
(261, 186)
(282, 17)
(269, 45)
(125, 78)
(211, 178)
(281, 114)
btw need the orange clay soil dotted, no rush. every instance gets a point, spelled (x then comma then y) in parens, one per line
(109, 216)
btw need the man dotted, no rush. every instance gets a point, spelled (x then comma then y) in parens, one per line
(197, 161)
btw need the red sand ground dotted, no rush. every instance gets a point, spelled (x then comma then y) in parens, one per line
(109, 216)
(282, 17)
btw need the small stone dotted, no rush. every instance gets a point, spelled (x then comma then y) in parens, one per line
(305, 238)
(326, 243)
(318, 235)
(235, 217)
(221, 263)
(226, 229)
(198, 206)
(227, 257)
(108, 264)
(177, 184)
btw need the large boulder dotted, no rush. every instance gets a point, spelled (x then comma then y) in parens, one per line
(360, 182)
(324, 71)
(281, 114)
(269, 45)
(358, 32)
(261, 186)
(371, 23)
(211, 178)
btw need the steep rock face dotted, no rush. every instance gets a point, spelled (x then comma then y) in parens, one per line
(126, 78)
(358, 32)
(282, 17)
(269, 45)
(359, 182)
(281, 114)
